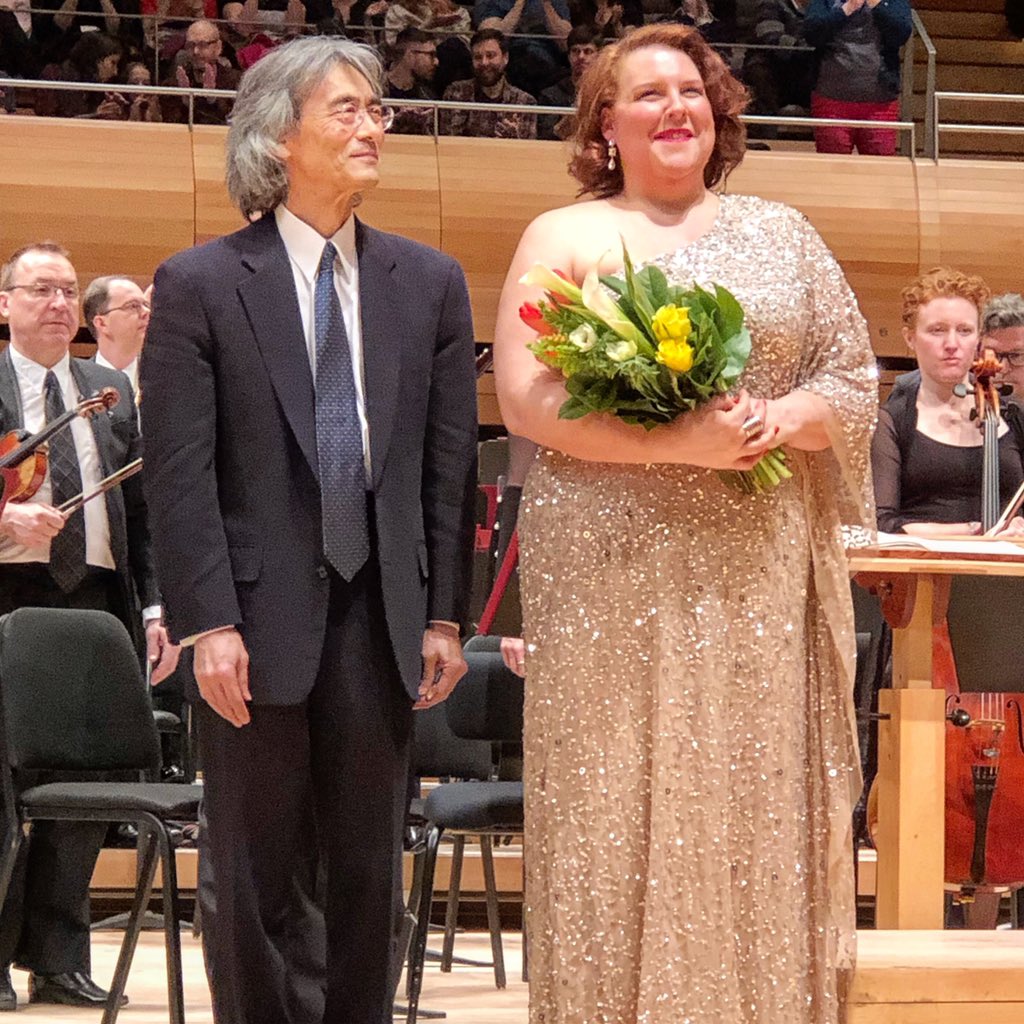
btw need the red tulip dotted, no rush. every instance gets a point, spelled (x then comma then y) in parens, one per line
(534, 319)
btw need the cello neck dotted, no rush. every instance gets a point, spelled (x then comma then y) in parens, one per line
(990, 507)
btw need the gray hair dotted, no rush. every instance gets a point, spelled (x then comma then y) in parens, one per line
(1003, 311)
(268, 106)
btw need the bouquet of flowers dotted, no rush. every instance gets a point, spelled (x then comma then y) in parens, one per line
(653, 351)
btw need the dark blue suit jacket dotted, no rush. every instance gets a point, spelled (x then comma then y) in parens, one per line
(231, 462)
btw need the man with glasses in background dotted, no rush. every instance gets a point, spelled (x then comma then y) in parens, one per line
(1002, 330)
(97, 557)
(311, 432)
(117, 315)
(202, 65)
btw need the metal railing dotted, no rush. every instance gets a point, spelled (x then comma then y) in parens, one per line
(437, 106)
(907, 85)
(982, 129)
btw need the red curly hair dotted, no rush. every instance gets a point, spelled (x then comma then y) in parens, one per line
(942, 283)
(599, 87)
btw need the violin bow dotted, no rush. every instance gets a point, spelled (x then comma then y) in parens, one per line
(74, 504)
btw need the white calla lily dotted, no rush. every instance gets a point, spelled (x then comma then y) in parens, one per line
(598, 301)
(539, 276)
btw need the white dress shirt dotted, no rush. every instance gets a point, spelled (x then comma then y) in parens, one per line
(31, 379)
(131, 371)
(305, 246)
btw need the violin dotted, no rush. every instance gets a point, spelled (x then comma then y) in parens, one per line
(23, 460)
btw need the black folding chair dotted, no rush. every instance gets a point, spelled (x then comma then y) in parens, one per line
(73, 702)
(487, 705)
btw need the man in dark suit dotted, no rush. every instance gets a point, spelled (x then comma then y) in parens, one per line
(310, 462)
(99, 557)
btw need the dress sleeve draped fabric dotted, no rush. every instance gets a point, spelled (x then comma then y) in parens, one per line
(691, 756)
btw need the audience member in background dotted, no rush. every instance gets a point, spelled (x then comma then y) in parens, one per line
(117, 314)
(780, 79)
(202, 67)
(1002, 329)
(94, 58)
(361, 20)
(582, 44)
(164, 31)
(21, 50)
(488, 85)
(449, 25)
(536, 62)
(98, 558)
(926, 456)
(72, 16)
(609, 19)
(142, 107)
(410, 77)
(858, 44)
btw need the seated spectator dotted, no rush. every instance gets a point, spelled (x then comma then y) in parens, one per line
(609, 19)
(94, 58)
(450, 28)
(203, 66)
(358, 19)
(537, 62)
(858, 44)
(21, 52)
(410, 77)
(780, 79)
(142, 107)
(488, 85)
(242, 35)
(582, 43)
(164, 30)
(716, 20)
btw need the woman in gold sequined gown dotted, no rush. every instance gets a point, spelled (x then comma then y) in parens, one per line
(690, 756)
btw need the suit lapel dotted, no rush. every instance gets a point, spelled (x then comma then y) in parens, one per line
(10, 394)
(381, 341)
(268, 296)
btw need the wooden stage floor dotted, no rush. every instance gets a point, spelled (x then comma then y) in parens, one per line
(953, 977)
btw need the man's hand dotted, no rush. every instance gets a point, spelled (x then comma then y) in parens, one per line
(161, 653)
(222, 672)
(513, 653)
(32, 525)
(443, 667)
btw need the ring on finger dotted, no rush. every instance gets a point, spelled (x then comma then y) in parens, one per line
(752, 426)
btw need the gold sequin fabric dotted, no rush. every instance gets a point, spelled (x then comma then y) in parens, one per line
(690, 752)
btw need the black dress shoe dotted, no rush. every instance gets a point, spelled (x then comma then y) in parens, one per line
(75, 989)
(8, 997)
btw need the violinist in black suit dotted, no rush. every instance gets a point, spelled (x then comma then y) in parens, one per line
(310, 462)
(99, 557)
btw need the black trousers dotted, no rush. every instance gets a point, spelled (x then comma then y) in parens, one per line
(44, 925)
(301, 788)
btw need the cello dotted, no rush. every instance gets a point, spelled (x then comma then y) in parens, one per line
(985, 729)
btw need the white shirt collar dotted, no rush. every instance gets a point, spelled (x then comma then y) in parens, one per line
(34, 374)
(305, 245)
(129, 371)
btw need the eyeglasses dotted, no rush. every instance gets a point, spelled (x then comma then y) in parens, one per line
(47, 290)
(195, 44)
(351, 115)
(1014, 359)
(134, 306)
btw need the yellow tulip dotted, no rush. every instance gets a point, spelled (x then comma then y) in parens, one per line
(672, 323)
(676, 355)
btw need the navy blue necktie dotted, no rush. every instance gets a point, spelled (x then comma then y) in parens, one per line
(339, 436)
(67, 549)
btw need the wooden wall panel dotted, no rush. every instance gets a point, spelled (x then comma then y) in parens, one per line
(118, 196)
(490, 190)
(866, 209)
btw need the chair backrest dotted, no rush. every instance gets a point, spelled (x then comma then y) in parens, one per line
(986, 621)
(438, 753)
(488, 702)
(72, 694)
